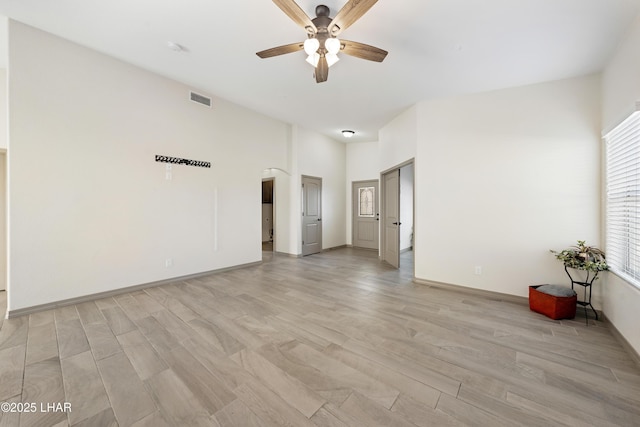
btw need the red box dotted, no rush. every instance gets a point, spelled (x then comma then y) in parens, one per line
(552, 306)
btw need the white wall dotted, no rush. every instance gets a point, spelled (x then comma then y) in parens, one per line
(362, 165)
(285, 233)
(323, 157)
(620, 93)
(398, 142)
(4, 42)
(90, 210)
(3, 156)
(620, 82)
(398, 139)
(3, 104)
(3, 149)
(501, 178)
(362, 161)
(406, 206)
(3, 220)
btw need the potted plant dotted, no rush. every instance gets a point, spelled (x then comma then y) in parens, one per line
(583, 257)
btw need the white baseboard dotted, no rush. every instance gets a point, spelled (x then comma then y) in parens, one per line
(491, 294)
(114, 292)
(625, 344)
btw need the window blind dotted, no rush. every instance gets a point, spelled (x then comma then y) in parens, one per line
(623, 199)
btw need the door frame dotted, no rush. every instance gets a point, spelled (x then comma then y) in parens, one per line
(383, 213)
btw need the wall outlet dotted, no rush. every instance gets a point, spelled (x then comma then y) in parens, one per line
(168, 262)
(478, 270)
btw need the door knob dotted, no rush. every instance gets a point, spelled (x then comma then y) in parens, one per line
(319, 219)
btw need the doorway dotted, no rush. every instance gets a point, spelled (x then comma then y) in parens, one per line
(397, 213)
(311, 215)
(365, 213)
(268, 214)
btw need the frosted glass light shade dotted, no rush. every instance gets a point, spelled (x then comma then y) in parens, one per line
(313, 59)
(332, 45)
(311, 46)
(332, 58)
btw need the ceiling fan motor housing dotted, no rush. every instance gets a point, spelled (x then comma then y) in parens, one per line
(322, 10)
(322, 22)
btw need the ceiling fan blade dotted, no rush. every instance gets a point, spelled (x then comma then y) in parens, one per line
(350, 13)
(295, 12)
(363, 51)
(280, 50)
(322, 70)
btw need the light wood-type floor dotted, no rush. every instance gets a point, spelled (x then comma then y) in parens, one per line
(333, 339)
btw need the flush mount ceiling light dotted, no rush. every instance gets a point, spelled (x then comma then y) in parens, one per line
(348, 133)
(322, 46)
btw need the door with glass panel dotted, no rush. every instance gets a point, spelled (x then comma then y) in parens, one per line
(366, 224)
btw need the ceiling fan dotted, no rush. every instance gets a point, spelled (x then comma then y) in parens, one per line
(321, 44)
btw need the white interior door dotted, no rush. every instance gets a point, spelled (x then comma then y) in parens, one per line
(391, 220)
(366, 219)
(311, 215)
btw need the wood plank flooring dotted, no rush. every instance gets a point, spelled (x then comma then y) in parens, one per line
(334, 339)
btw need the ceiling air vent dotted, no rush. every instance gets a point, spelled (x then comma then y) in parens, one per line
(200, 99)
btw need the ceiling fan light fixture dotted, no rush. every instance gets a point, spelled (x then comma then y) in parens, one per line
(332, 58)
(332, 45)
(311, 46)
(322, 45)
(348, 133)
(313, 59)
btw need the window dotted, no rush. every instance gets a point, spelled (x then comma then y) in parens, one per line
(623, 199)
(367, 202)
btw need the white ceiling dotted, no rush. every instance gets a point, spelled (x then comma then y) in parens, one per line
(436, 48)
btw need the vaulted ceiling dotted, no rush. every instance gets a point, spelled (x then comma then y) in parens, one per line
(436, 48)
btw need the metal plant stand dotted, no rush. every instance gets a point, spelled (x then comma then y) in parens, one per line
(586, 284)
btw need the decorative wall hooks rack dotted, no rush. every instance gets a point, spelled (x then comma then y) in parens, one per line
(179, 161)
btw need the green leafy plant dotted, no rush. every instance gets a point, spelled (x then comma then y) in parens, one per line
(583, 257)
